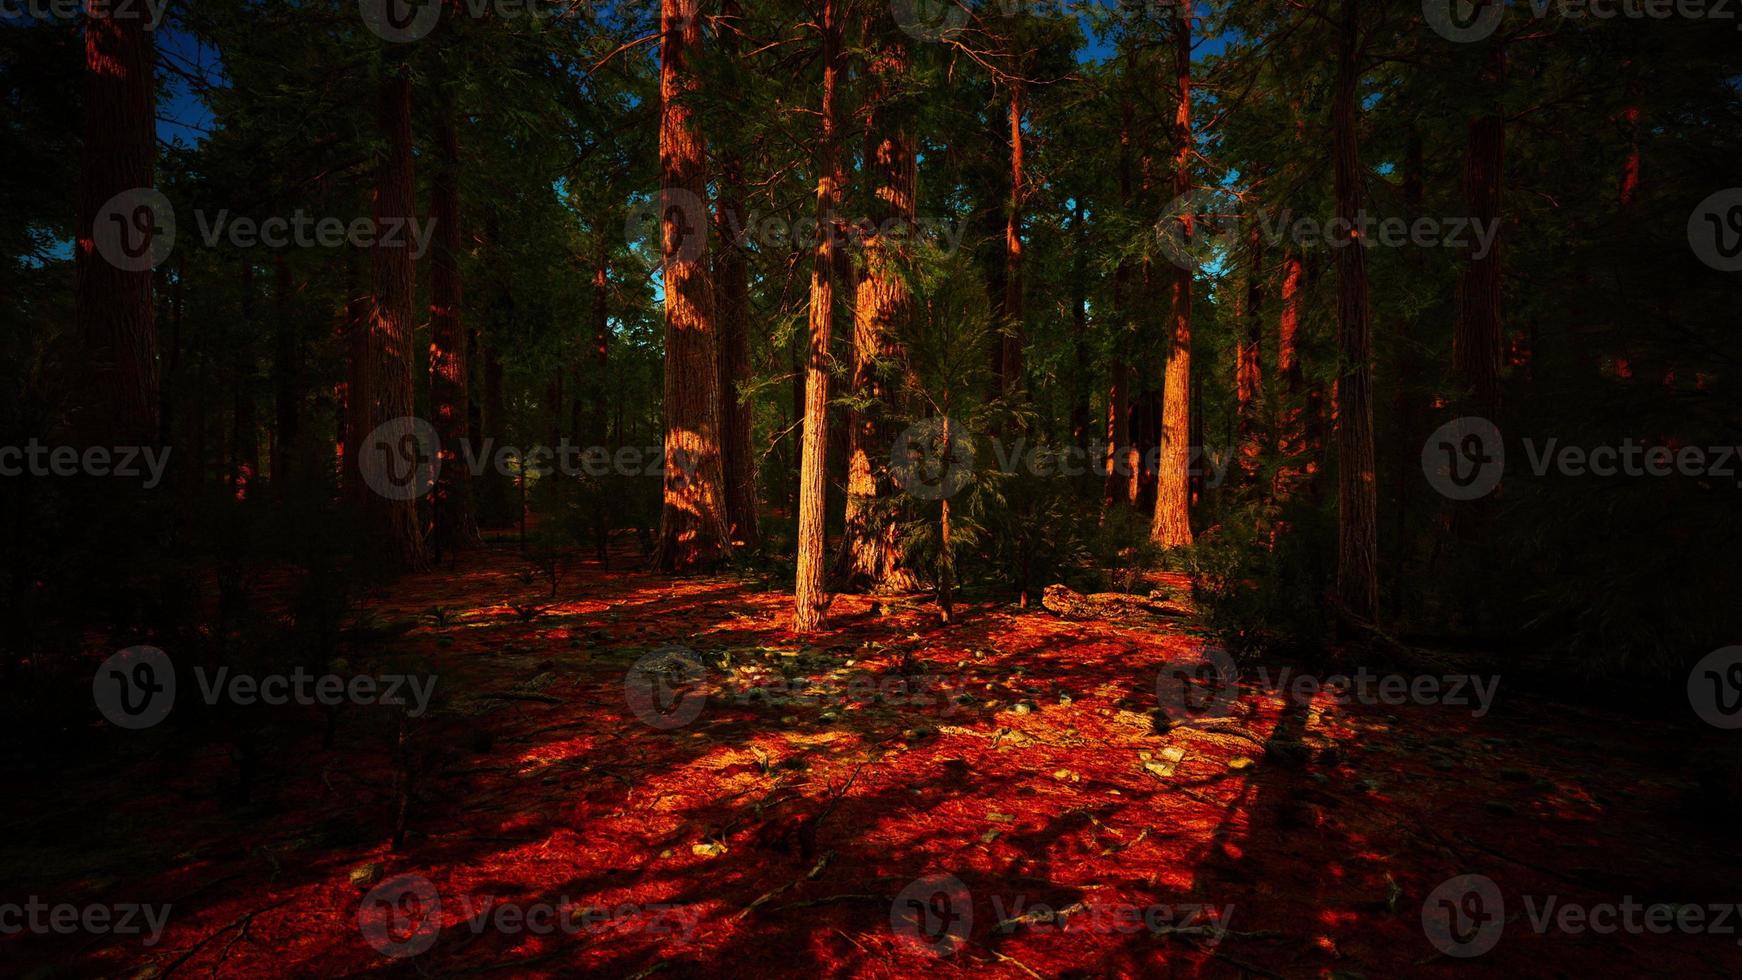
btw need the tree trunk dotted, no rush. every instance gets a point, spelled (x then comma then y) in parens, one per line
(1080, 331)
(1012, 337)
(811, 596)
(1248, 369)
(112, 305)
(871, 547)
(456, 522)
(1476, 344)
(692, 526)
(244, 423)
(1288, 368)
(287, 370)
(732, 292)
(390, 523)
(597, 428)
(1173, 520)
(1357, 497)
(1120, 486)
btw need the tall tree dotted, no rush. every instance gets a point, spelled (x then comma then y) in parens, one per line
(1248, 369)
(1172, 527)
(732, 291)
(1357, 490)
(1122, 462)
(692, 527)
(112, 300)
(1476, 341)
(456, 522)
(811, 595)
(1013, 336)
(381, 387)
(871, 546)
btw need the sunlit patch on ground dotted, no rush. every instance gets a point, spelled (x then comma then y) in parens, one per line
(772, 834)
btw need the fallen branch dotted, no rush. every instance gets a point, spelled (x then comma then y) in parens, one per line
(524, 696)
(765, 899)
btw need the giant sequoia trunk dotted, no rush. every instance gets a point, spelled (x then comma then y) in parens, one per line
(1476, 343)
(244, 457)
(456, 522)
(1172, 527)
(1121, 460)
(692, 526)
(1012, 339)
(1357, 494)
(381, 389)
(1080, 330)
(287, 384)
(1248, 373)
(732, 291)
(597, 428)
(871, 548)
(112, 300)
(811, 594)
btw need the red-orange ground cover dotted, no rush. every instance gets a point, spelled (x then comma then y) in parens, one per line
(770, 838)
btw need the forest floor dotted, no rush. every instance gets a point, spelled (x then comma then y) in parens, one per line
(772, 836)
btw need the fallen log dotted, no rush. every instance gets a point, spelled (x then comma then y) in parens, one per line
(1067, 603)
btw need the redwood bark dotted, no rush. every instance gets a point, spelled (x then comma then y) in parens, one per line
(1357, 492)
(390, 525)
(732, 287)
(1080, 330)
(597, 428)
(1290, 430)
(287, 373)
(1476, 343)
(456, 522)
(692, 527)
(1248, 371)
(1012, 338)
(112, 306)
(244, 423)
(810, 598)
(1121, 455)
(871, 547)
(1172, 527)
